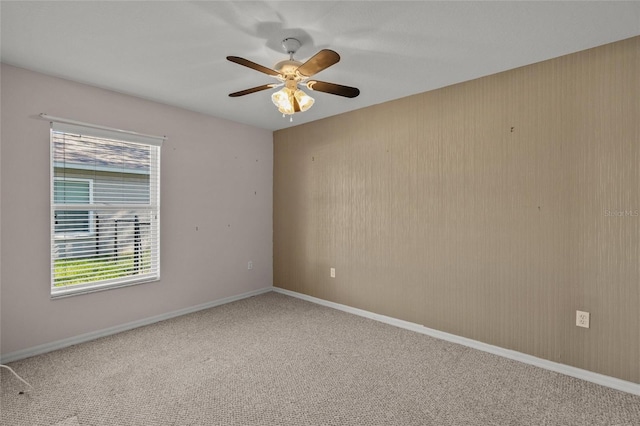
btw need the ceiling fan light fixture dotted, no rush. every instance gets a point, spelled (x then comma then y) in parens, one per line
(284, 100)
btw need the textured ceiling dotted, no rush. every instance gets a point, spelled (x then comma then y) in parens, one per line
(174, 51)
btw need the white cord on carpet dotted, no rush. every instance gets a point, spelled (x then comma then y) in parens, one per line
(16, 374)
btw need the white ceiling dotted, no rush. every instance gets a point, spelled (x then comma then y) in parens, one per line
(174, 51)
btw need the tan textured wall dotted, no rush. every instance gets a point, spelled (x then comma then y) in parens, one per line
(482, 209)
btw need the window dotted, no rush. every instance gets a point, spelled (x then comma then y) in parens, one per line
(105, 209)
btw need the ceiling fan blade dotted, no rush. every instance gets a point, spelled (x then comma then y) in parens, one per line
(318, 62)
(252, 65)
(252, 90)
(334, 89)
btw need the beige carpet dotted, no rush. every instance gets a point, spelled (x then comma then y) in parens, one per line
(277, 360)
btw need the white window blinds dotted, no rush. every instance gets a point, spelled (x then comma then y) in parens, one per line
(105, 208)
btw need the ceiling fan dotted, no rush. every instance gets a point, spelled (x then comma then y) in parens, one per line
(292, 74)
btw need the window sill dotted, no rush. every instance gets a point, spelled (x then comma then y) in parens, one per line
(76, 290)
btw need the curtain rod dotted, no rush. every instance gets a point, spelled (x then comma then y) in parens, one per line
(96, 126)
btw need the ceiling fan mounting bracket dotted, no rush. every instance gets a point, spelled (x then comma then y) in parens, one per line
(291, 46)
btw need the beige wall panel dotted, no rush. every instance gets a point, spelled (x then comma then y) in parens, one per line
(489, 209)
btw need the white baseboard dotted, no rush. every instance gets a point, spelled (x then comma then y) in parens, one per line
(59, 344)
(600, 379)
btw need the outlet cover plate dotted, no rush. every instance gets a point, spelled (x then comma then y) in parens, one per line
(582, 319)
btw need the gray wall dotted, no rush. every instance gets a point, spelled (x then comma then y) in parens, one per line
(216, 197)
(492, 209)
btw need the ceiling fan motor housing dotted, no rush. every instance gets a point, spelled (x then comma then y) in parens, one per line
(287, 67)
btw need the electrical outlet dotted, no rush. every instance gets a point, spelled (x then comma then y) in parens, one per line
(250, 265)
(582, 319)
(333, 272)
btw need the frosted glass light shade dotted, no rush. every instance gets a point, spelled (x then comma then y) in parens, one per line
(305, 101)
(283, 100)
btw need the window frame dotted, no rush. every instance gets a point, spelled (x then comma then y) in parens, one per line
(149, 268)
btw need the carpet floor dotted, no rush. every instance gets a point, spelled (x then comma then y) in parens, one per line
(277, 360)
